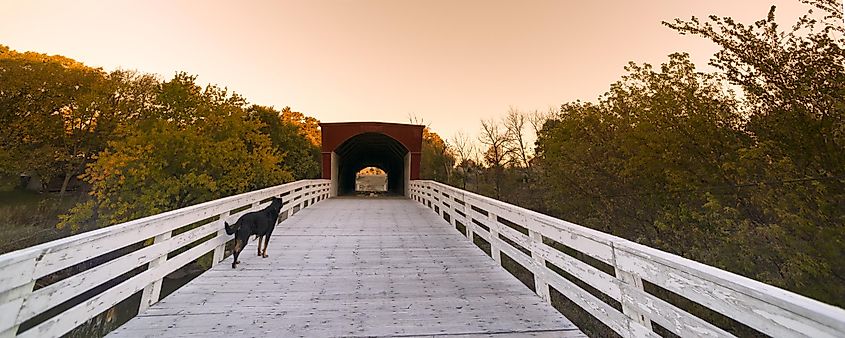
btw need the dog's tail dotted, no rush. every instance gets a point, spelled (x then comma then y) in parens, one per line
(229, 230)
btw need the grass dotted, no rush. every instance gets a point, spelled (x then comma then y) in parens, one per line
(28, 218)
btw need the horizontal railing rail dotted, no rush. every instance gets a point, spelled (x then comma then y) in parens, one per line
(533, 240)
(20, 301)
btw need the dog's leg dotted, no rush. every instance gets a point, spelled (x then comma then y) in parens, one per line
(236, 252)
(266, 241)
(259, 245)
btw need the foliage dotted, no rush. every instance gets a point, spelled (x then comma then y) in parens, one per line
(794, 86)
(148, 145)
(657, 143)
(437, 159)
(309, 126)
(670, 159)
(292, 134)
(200, 146)
(751, 182)
(56, 114)
(496, 154)
(28, 218)
(371, 171)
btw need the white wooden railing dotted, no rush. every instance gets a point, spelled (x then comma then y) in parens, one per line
(761, 307)
(19, 270)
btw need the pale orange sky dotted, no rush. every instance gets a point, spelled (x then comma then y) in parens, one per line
(450, 62)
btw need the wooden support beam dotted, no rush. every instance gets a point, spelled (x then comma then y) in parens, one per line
(220, 250)
(152, 292)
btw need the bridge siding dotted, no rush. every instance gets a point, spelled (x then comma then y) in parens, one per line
(356, 267)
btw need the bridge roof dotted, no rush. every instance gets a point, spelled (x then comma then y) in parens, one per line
(336, 133)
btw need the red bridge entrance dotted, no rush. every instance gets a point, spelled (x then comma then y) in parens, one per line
(351, 146)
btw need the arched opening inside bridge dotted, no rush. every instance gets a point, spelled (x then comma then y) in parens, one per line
(351, 146)
(371, 150)
(371, 180)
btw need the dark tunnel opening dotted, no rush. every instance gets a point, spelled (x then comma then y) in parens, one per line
(371, 150)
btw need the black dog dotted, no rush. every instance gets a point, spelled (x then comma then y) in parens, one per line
(259, 223)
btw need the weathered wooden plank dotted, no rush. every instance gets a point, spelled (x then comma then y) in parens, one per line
(20, 284)
(769, 309)
(588, 241)
(670, 317)
(483, 234)
(728, 298)
(73, 250)
(220, 249)
(152, 292)
(596, 278)
(573, 238)
(605, 313)
(76, 315)
(516, 236)
(539, 279)
(26, 265)
(8, 312)
(630, 281)
(17, 270)
(57, 293)
(345, 269)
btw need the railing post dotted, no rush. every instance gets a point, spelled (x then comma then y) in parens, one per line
(220, 249)
(539, 279)
(468, 220)
(634, 281)
(443, 202)
(470, 226)
(151, 292)
(494, 236)
(12, 297)
(454, 212)
(289, 211)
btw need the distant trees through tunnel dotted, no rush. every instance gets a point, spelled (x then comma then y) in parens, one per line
(371, 179)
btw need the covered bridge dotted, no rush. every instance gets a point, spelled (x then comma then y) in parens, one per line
(351, 146)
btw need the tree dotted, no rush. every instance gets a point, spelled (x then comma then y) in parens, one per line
(517, 144)
(289, 134)
(464, 151)
(437, 159)
(642, 161)
(57, 114)
(794, 86)
(496, 154)
(200, 145)
(790, 78)
(309, 126)
(537, 118)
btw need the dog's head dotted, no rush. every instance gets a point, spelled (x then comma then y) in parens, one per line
(276, 204)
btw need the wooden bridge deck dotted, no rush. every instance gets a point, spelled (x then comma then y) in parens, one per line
(356, 267)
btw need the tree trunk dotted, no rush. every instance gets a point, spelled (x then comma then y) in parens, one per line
(64, 184)
(68, 175)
